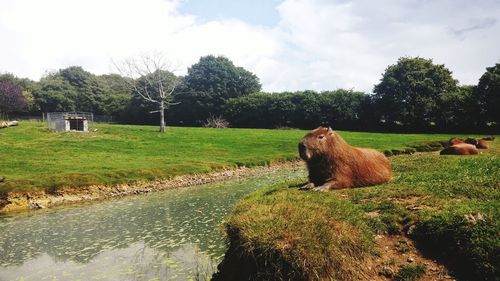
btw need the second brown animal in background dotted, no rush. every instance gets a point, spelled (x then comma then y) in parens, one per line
(460, 149)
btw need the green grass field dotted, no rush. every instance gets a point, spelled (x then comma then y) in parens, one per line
(33, 158)
(448, 205)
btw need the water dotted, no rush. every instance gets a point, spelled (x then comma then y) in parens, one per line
(168, 235)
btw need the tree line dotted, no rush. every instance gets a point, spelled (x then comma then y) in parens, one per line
(413, 95)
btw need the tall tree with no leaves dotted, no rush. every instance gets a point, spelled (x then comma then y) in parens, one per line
(150, 77)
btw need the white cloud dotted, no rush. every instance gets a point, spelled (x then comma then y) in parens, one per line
(354, 41)
(318, 44)
(244, 44)
(58, 33)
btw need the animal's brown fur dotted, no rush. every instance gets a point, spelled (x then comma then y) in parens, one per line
(478, 143)
(482, 144)
(460, 149)
(454, 141)
(334, 164)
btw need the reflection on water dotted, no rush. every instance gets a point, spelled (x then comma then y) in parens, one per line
(169, 235)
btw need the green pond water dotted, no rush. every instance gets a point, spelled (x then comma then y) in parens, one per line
(168, 235)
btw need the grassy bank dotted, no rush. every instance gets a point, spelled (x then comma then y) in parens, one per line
(34, 158)
(449, 206)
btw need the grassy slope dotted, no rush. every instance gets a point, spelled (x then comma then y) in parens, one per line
(32, 157)
(450, 205)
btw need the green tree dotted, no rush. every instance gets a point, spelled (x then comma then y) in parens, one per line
(458, 109)
(27, 86)
(55, 94)
(342, 108)
(488, 95)
(25, 83)
(89, 91)
(117, 94)
(70, 89)
(209, 84)
(74, 89)
(410, 91)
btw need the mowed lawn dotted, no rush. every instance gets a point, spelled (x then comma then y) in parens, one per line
(32, 157)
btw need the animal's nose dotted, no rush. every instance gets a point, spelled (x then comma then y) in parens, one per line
(303, 151)
(302, 146)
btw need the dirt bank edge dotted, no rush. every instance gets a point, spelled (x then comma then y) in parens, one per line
(27, 200)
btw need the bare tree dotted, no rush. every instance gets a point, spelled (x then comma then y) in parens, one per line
(151, 77)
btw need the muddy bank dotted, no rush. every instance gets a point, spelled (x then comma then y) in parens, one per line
(25, 200)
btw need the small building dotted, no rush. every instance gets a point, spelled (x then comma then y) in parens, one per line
(69, 121)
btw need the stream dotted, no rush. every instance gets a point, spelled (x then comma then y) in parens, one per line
(167, 235)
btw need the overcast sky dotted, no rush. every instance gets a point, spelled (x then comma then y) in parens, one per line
(289, 44)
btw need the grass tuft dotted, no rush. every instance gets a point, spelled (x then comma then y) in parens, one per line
(315, 236)
(410, 272)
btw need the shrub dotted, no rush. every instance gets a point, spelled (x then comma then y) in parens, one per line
(410, 272)
(216, 122)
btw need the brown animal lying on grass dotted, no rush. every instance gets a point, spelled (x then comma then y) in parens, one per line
(482, 144)
(334, 164)
(478, 143)
(460, 149)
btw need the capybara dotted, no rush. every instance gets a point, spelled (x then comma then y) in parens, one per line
(334, 164)
(482, 144)
(460, 149)
(453, 141)
(479, 143)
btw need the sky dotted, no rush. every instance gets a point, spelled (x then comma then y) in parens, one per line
(290, 45)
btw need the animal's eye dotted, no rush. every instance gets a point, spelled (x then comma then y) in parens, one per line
(321, 136)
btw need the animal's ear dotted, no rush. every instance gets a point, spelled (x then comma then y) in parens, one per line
(325, 125)
(330, 131)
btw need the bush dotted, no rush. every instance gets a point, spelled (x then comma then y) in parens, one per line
(342, 108)
(410, 272)
(216, 122)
